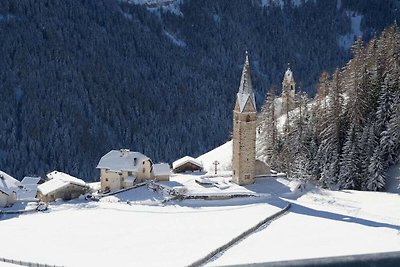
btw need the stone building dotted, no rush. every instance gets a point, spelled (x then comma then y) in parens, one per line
(123, 168)
(244, 130)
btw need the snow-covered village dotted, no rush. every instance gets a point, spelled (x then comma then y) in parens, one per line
(299, 178)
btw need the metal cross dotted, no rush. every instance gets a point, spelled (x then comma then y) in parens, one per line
(216, 164)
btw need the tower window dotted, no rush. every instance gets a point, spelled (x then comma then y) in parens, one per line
(247, 118)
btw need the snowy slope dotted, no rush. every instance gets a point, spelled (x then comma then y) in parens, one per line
(223, 154)
(325, 223)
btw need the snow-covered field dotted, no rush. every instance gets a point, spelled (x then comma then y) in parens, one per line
(324, 223)
(134, 228)
(114, 233)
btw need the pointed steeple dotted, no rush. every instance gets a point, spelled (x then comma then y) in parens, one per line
(245, 82)
(246, 88)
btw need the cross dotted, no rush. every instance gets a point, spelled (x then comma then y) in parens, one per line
(215, 164)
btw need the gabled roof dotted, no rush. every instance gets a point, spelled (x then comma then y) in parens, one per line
(161, 169)
(122, 160)
(8, 184)
(57, 181)
(184, 160)
(246, 87)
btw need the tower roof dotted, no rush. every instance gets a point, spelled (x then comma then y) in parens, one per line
(245, 88)
(288, 77)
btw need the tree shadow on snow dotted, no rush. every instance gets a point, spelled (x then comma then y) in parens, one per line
(299, 209)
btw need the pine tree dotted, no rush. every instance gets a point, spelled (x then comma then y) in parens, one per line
(376, 172)
(393, 132)
(329, 149)
(349, 174)
(356, 106)
(268, 131)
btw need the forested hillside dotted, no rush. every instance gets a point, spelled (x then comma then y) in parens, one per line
(349, 135)
(78, 78)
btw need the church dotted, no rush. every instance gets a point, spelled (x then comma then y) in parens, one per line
(244, 163)
(244, 130)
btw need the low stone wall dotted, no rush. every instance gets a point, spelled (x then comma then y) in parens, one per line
(123, 190)
(240, 237)
(27, 263)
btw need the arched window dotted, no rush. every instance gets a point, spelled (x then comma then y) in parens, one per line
(247, 118)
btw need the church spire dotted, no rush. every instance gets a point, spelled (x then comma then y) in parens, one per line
(246, 88)
(245, 82)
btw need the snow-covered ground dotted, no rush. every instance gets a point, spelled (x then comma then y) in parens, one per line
(109, 233)
(135, 228)
(324, 223)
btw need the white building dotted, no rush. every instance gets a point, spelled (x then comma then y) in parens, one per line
(123, 168)
(61, 185)
(161, 171)
(8, 190)
(187, 164)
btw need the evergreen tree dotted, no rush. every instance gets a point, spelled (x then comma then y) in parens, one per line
(329, 149)
(348, 173)
(376, 172)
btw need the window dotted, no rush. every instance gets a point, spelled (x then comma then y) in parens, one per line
(247, 177)
(247, 118)
(144, 170)
(106, 179)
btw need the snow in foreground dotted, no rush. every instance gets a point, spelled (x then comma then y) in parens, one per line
(134, 228)
(322, 224)
(110, 233)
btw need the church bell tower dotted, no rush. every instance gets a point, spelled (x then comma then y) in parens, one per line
(244, 130)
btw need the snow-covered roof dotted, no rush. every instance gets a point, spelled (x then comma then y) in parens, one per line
(30, 180)
(8, 184)
(28, 192)
(122, 160)
(246, 87)
(161, 169)
(288, 77)
(57, 181)
(184, 160)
